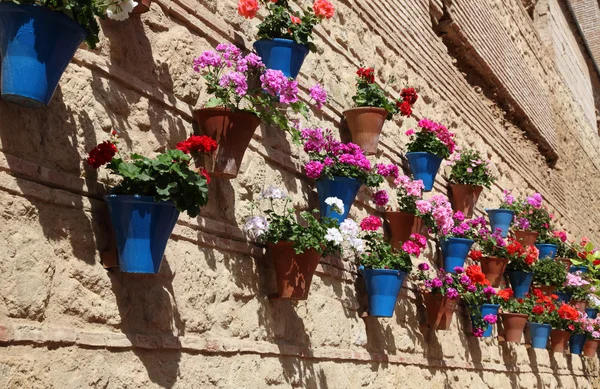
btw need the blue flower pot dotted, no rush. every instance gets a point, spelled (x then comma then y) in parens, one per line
(343, 188)
(454, 252)
(520, 282)
(547, 250)
(500, 218)
(142, 229)
(36, 46)
(563, 297)
(282, 54)
(383, 287)
(539, 334)
(576, 343)
(575, 269)
(488, 309)
(591, 312)
(424, 167)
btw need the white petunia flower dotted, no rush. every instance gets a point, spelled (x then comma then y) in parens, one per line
(256, 226)
(334, 235)
(336, 204)
(120, 10)
(272, 193)
(349, 228)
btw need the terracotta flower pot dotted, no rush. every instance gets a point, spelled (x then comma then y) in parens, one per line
(579, 305)
(565, 261)
(559, 340)
(514, 326)
(590, 348)
(493, 268)
(142, 7)
(233, 132)
(293, 272)
(365, 124)
(402, 226)
(464, 198)
(546, 289)
(440, 311)
(526, 238)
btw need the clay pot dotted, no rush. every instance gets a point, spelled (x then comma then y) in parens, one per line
(579, 305)
(590, 348)
(546, 289)
(493, 268)
(142, 7)
(293, 272)
(439, 310)
(526, 238)
(559, 340)
(565, 261)
(464, 198)
(514, 326)
(365, 124)
(402, 226)
(233, 132)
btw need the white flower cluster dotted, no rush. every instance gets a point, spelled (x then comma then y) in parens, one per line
(272, 193)
(256, 226)
(348, 231)
(120, 10)
(336, 204)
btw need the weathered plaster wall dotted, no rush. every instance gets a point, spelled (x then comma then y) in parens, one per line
(205, 321)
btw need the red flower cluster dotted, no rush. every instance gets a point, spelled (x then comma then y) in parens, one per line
(102, 154)
(514, 247)
(367, 74)
(532, 255)
(476, 255)
(546, 302)
(505, 294)
(568, 312)
(596, 262)
(409, 97)
(476, 275)
(323, 9)
(197, 144)
(538, 309)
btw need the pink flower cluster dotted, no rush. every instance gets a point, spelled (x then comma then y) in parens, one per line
(575, 280)
(390, 170)
(535, 200)
(509, 199)
(275, 83)
(371, 223)
(319, 95)
(440, 209)
(562, 235)
(412, 188)
(440, 131)
(381, 198)
(414, 245)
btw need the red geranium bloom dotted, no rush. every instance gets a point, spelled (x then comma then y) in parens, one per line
(476, 275)
(367, 74)
(505, 294)
(476, 255)
(568, 312)
(596, 262)
(409, 95)
(538, 310)
(514, 247)
(102, 154)
(198, 144)
(405, 108)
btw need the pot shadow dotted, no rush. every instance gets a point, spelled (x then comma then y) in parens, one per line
(555, 367)
(535, 366)
(150, 319)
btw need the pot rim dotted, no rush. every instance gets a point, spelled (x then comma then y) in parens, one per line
(367, 109)
(390, 272)
(288, 42)
(136, 199)
(514, 314)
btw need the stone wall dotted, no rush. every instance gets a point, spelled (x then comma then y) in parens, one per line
(206, 321)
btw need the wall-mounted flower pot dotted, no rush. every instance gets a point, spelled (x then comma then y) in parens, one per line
(36, 46)
(293, 272)
(383, 287)
(500, 218)
(546, 289)
(232, 131)
(563, 297)
(575, 269)
(576, 343)
(402, 226)
(559, 340)
(520, 282)
(365, 125)
(454, 252)
(565, 261)
(526, 238)
(514, 326)
(579, 305)
(591, 312)
(488, 309)
(465, 197)
(424, 167)
(343, 188)
(142, 229)
(547, 250)
(539, 334)
(590, 348)
(282, 54)
(440, 310)
(142, 7)
(493, 268)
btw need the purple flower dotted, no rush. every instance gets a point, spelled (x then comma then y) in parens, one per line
(471, 288)
(328, 161)
(314, 139)
(390, 170)
(458, 215)
(535, 200)
(273, 81)
(313, 169)
(207, 58)
(459, 269)
(451, 293)
(235, 80)
(230, 53)
(489, 291)
(465, 280)
(478, 332)
(428, 284)
(251, 61)
(289, 92)
(319, 95)
(423, 266)
(448, 279)
(490, 319)
(508, 198)
(381, 198)
(436, 283)
(523, 224)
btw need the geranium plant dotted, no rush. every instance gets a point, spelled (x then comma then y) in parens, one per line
(564, 318)
(509, 304)
(549, 272)
(470, 168)
(437, 214)
(531, 215)
(433, 138)
(519, 257)
(566, 249)
(170, 176)
(477, 293)
(229, 77)
(576, 286)
(408, 192)
(85, 12)
(589, 257)
(542, 306)
(283, 21)
(592, 328)
(448, 285)
(370, 94)
(491, 244)
(465, 229)
(278, 223)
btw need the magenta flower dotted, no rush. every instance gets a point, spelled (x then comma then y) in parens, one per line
(251, 61)
(478, 332)
(535, 200)
(436, 283)
(319, 95)
(235, 80)
(458, 215)
(411, 248)
(206, 59)
(313, 169)
(314, 139)
(229, 52)
(490, 319)
(451, 293)
(423, 266)
(489, 291)
(381, 198)
(410, 132)
(471, 288)
(274, 82)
